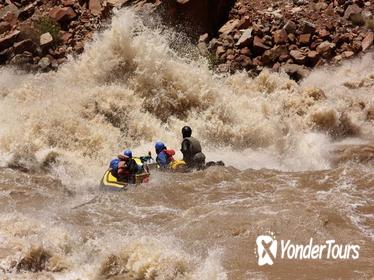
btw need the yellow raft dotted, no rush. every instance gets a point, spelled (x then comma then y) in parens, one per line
(110, 182)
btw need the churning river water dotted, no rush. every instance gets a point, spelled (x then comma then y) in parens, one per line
(299, 164)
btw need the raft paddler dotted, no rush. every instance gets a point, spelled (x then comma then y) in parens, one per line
(124, 167)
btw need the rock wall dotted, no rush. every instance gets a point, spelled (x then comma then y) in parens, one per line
(292, 35)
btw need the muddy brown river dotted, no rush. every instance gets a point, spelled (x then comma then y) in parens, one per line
(299, 166)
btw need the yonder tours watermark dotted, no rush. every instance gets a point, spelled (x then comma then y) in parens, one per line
(269, 249)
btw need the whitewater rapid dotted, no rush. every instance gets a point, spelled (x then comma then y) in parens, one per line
(299, 162)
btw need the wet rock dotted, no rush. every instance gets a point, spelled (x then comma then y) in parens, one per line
(46, 39)
(21, 59)
(25, 45)
(348, 54)
(356, 46)
(245, 39)
(44, 63)
(203, 49)
(296, 72)
(8, 40)
(337, 59)
(368, 41)
(62, 15)
(315, 93)
(79, 47)
(280, 36)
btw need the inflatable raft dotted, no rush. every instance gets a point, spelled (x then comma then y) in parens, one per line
(112, 183)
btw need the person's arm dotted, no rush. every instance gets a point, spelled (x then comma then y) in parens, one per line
(133, 166)
(185, 147)
(162, 160)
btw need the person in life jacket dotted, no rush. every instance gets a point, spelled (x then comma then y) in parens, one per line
(191, 150)
(124, 167)
(164, 156)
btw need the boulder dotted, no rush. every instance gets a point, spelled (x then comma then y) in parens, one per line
(46, 39)
(368, 41)
(307, 27)
(258, 45)
(280, 36)
(244, 61)
(325, 47)
(65, 37)
(290, 27)
(323, 33)
(44, 63)
(4, 55)
(25, 45)
(245, 23)
(245, 51)
(304, 39)
(348, 54)
(274, 54)
(296, 72)
(95, 7)
(9, 13)
(204, 38)
(21, 59)
(351, 11)
(220, 50)
(312, 57)
(229, 26)
(67, 3)
(245, 39)
(4, 27)
(8, 40)
(65, 14)
(26, 12)
(203, 49)
(298, 56)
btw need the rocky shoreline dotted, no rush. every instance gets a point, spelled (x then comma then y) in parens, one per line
(38, 35)
(293, 35)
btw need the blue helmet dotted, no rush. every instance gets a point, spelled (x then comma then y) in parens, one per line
(159, 146)
(127, 153)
